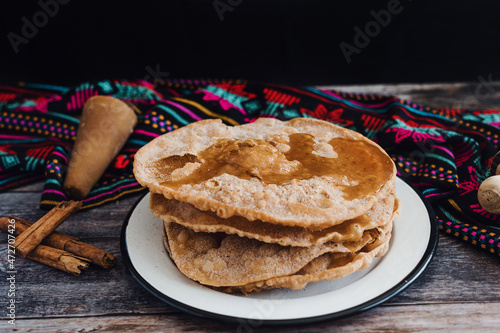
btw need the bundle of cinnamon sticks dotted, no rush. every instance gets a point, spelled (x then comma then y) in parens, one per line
(38, 241)
(105, 125)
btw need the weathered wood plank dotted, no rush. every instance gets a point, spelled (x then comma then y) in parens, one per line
(98, 222)
(480, 94)
(44, 291)
(463, 317)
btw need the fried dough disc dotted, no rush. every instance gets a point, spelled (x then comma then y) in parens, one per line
(206, 221)
(329, 266)
(303, 172)
(218, 259)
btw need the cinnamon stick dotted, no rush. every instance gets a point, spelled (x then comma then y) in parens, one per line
(64, 242)
(31, 237)
(65, 261)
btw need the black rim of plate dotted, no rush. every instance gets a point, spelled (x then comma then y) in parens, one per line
(409, 279)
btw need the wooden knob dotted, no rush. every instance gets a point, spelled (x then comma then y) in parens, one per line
(488, 194)
(495, 165)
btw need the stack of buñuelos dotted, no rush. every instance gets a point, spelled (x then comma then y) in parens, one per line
(270, 204)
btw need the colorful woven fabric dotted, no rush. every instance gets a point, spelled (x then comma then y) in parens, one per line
(443, 152)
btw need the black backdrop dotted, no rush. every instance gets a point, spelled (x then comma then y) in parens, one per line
(293, 42)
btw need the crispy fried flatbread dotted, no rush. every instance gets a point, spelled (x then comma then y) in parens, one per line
(218, 259)
(206, 221)
(303, 172)
(329, 266)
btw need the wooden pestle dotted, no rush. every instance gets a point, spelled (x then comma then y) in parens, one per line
(105, 126)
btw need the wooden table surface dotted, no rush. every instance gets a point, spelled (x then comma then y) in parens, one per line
(460, 290)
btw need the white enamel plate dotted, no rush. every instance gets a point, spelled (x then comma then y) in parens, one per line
(414, 240)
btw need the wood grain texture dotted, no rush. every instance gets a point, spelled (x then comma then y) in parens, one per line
(481, 94)
(411, 318)
(458, 291)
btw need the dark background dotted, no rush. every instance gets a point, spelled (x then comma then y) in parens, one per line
(292, 42)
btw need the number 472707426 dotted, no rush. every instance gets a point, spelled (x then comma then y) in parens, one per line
(11, 258)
